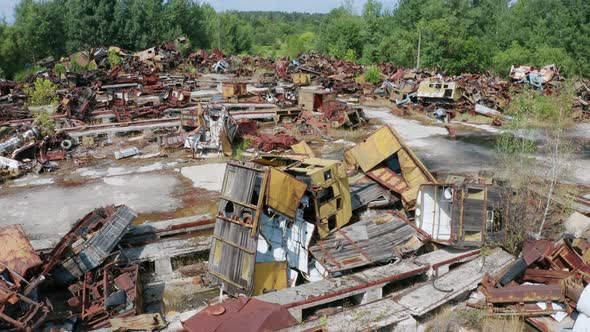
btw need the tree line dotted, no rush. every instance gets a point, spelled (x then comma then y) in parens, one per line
(454, 35)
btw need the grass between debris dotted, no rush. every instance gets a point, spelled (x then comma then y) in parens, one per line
(448, 319)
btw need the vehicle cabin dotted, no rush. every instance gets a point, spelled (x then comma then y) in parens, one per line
(329, 203)
(460, 216)
(234, 89)
(312, 100)
(301, 79)
(260, 241)
(438, 92)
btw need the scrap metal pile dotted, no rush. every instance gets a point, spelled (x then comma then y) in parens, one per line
(86, 261)
(548, 285)
(325, 229)
(203, 101)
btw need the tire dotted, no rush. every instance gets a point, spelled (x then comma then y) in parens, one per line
(66, 144)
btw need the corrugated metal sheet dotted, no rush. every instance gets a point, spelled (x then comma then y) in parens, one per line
(364, 190)
(377, 239)
(16, 252)
(97, 248)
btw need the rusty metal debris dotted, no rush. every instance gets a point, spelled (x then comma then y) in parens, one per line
(18, 262)
(159, 89)
(105, 293)
(102, 286)
(89, 243)
(380, 239)
(548, 281)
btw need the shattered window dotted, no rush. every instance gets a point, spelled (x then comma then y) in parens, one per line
(332, 222)
(256, 191)
(325, 195)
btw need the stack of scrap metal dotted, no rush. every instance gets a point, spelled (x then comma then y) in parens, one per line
(548, 285)
(19, 307)
(158, 89)
(107, 292)
(288, 219)
(84, 260)
(276, 210)
(366, 192)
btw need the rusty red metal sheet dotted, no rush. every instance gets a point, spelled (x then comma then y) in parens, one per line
(533, 251)
(241, 314)
(564, 257)
(525, 293)
(16, 252)
(545, 276)
(389, 179)
(268, 142)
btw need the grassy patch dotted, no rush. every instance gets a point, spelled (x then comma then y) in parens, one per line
(448, 319)
(502, 324)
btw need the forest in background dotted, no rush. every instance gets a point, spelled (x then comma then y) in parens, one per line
(455, 35)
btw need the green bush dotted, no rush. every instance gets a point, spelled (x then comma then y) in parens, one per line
(75, 67)
(114, 59)
(43, 92)
(372, 75)
(59, 69)
(43, 120)
(92, 66)
(350, 55)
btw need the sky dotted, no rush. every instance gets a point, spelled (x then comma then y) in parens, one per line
(7, 8)
(310, 6)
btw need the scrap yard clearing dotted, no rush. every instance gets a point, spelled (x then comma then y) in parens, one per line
(261, 195)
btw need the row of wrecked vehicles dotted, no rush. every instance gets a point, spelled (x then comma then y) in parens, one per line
(299, 218)
(293, 220)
